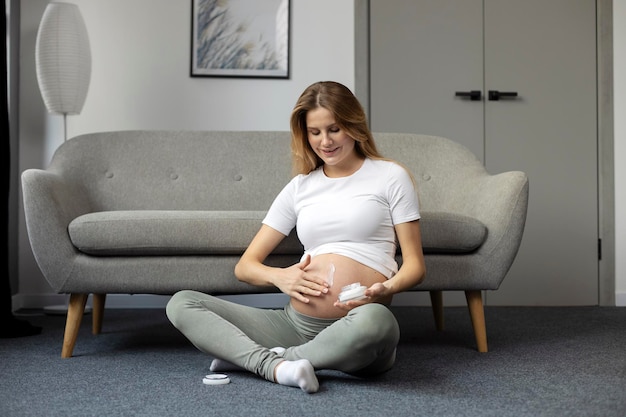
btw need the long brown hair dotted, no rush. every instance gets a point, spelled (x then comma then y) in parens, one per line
(349, 116)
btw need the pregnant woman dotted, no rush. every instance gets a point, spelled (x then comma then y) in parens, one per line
(351, 207)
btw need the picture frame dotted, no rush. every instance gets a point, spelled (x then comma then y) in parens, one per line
(240, 38)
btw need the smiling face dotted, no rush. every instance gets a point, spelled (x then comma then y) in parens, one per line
(331, 143)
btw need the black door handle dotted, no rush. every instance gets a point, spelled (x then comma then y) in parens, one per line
(495, 95)
(474, 95)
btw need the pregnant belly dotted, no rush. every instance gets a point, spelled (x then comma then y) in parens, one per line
(346, 272)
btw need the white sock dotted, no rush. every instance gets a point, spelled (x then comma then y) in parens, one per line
(278, 350)
(219, 365)
(298, 373)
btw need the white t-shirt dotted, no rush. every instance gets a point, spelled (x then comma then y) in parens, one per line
(353, 216)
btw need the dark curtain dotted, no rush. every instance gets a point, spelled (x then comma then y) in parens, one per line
(11, 326)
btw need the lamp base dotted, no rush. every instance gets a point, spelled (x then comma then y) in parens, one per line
(13, 327)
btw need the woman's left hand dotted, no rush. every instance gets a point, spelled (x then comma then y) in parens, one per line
(374, 294)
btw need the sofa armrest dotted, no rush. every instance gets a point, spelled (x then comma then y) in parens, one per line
(500, 202)
(50, 204)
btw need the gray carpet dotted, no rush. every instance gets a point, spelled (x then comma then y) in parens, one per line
(542, 362)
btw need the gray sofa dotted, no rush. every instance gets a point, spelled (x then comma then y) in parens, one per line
(154, 212)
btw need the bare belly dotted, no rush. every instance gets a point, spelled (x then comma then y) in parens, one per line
(347, 271)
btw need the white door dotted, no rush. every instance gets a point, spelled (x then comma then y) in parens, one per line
(539, 57)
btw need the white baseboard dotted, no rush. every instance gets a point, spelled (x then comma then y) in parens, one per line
(620, 299)
(145, 301)
(41, 301)
(139, 301)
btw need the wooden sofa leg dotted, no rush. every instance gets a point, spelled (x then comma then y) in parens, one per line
(436, 301)
(477, 314)
(98, 312)
(75, 312)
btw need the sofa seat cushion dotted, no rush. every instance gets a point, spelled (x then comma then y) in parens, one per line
(451, 233)
(181, 232)
(171, 232)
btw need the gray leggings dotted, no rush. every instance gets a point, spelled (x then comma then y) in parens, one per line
(361, 343)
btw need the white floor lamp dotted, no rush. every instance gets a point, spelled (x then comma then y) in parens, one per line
(63, 62)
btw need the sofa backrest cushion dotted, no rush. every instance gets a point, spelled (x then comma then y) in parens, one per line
(212, 170)
(161, 170)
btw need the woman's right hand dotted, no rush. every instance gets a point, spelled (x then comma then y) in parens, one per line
(295, 281)
(298, 283)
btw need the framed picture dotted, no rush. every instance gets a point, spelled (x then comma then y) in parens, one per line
(240, 38)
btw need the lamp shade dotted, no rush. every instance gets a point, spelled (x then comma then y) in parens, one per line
(63, 58)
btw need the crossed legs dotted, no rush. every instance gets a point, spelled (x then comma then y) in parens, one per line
(363, 342)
